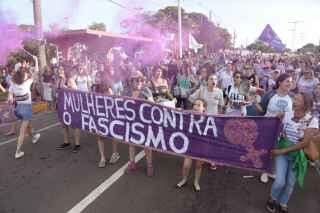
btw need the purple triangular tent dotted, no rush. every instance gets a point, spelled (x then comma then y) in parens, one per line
(269, 37)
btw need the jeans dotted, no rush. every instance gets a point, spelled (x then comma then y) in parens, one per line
(284, 183)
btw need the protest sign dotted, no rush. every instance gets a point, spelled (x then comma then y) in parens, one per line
(243, 142)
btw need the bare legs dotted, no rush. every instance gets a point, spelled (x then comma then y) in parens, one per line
(187, 164)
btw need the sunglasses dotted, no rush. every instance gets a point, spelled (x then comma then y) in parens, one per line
(137, 80)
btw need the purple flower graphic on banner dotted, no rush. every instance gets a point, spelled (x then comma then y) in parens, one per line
(244, 132)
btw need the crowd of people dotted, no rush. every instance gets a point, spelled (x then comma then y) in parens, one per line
(229, 83)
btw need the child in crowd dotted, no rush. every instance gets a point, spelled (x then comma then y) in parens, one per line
(199, 105)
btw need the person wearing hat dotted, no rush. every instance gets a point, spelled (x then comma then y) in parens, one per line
(138, 89)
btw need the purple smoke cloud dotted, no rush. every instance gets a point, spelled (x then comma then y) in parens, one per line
(11, 36)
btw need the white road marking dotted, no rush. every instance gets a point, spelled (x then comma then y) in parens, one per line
(85, 202)
(40, 130)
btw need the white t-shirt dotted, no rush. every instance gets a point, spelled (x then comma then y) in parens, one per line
(307, 86)
(279, 104)
(213, 98)
(293, 130)
(226, 79)
(83, 83)
(22, 93)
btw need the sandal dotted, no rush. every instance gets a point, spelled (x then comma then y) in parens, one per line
(196, 188)
(181, 184)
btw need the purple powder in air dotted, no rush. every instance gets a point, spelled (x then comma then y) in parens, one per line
(11, 37)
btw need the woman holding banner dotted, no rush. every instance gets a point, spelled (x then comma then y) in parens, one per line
(103, 88)
(276, 103)
(20, 95)
(71, 84)
(291, 163)
(199, 105)
(138, 90)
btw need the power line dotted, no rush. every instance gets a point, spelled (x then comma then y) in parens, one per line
(294, 31)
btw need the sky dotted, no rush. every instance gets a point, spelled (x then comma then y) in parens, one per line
(245, 18)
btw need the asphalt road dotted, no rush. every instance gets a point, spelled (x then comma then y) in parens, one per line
(51, 181)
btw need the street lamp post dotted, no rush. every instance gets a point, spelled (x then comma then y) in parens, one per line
(180, 28)
(39, 32)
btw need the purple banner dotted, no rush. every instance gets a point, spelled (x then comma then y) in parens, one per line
(243, 142)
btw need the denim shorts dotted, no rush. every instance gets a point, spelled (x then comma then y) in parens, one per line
(23, 112)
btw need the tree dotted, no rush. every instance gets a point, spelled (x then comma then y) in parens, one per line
(32, 46)
(97, 26)
(309, 48)
(260, 46)
(166, 21)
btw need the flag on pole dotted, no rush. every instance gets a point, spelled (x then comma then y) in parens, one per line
(193, 44)
(269, 37)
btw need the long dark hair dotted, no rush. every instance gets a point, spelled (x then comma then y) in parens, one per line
(280, 79)
(20, 76)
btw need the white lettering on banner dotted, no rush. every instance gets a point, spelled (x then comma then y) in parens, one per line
(181, 119)
(112, 126)
(98, 106)
(129, 110)
(109, 106)
(82, 105)
(127, 133)
(153, 113)
(185, 144)
(84, 121)
(68, 102)
(103, 124)
(141, 112)
(156, 140)
(116, 117)
(138, 133)
(92, 125)
(211, 125)
(75, 103)
(169, 119)
(119, 109)
(90, 103)
(195, 123)
(67, 118)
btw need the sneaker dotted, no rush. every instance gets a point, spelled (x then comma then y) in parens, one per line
(150, 171)
(35, 138)
(271, 205)
(102, 164)
(63, 146)
(114, 158)
(131, 167)
(283, 209)
(19, 155)
(272, 176)
(264, 178)
(76, 149)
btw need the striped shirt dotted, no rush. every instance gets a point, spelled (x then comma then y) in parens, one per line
(293, 130)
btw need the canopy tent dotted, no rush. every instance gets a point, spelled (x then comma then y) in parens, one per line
(96, 41)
